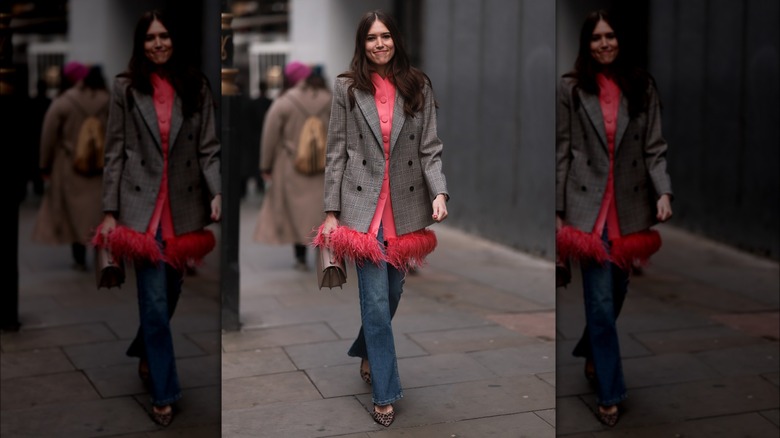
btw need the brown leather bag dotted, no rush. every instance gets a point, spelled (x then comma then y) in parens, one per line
(330, 270)
(109, 272)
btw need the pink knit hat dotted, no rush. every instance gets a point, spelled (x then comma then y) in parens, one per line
(75, 71)
(296, 71)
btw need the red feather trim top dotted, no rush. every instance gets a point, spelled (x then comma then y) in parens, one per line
(127, 243)
(574, 244)
(403, 252)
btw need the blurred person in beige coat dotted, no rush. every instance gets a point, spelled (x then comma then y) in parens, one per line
(292, 207)
(71, 205)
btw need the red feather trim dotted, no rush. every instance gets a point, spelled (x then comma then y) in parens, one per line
(189, 247)
(126, 243)
(635, 247)
(409, 250)
(403, 252)
(575, 244)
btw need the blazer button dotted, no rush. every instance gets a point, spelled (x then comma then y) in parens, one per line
(634, 163)
(584, 189)
(143, 162)
(411, 137)
(359, 188)
(364, 162)
(189, 163)
(189, 188)
(636, 136)
(636, 188)
(360, 135)
(588, 163)
(410, 162)
(189, 137)
(137, 189)
(411, 189)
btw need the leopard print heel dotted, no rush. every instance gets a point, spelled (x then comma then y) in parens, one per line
(385, 419)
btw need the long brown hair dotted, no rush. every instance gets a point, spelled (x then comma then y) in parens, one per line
(632, 80)
(185, 78)
(408, 80)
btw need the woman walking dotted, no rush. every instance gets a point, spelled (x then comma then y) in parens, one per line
(383, 186)
(292, 206)
(161, 187)
(70, 208)
(611, 187)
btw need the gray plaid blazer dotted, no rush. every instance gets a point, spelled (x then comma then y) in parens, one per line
(582, 161)
(134, 161)
(355, 162)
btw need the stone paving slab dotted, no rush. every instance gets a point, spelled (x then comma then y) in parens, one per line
(255, 362)
(756, 359)
(694, 339)
(116, 380)
(525, 425)
(744, 425)
(249, 392)
(276, 336)
(691, 400)
(55, 337)
(50, 389)
(759, 324)
(540, 325)
(514, 361)
(33, 362)
(772, 415)
(441, 369)
(321, 418)
(469, 400)
(469, 339)
(573, 418)
(94, 418)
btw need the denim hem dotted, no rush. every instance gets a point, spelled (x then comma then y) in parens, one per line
(614, 401)
(388, 401)
(167, 402)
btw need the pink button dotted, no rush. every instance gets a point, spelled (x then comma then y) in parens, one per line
(383, 99)
(384, 119)
(387, 157)
(382, 196)
(385, 138)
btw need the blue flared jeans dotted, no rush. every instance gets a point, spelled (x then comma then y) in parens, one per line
(159, 287)
(380, 286)
(604, 289)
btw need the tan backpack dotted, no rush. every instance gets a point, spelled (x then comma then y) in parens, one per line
(90, 145)
(309, 157)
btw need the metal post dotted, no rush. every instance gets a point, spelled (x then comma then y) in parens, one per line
(229, 266)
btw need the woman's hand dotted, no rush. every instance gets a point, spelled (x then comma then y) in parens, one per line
(440, 207)
(558, 222)
(216, 208)
(330, 224)
(664, 206)
(107, 226)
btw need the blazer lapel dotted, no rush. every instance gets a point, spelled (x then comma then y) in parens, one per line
(367, 106)
(592, 107)
(177, 118)
(622, 121)
(145, 106)
(399, 117)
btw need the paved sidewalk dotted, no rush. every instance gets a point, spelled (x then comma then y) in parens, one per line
(474, 335)
(699, 337)
(65, 374)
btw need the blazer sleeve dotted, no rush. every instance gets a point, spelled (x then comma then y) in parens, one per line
(114, 146)
(209, 149)
(431, 148)
(655, 147)
(563, 114)
(336, 154)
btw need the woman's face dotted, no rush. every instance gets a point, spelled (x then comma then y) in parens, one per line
(603, 43)
(379, 46)
(157, 45)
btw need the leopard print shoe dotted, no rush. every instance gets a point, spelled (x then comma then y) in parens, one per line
(385, 419)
